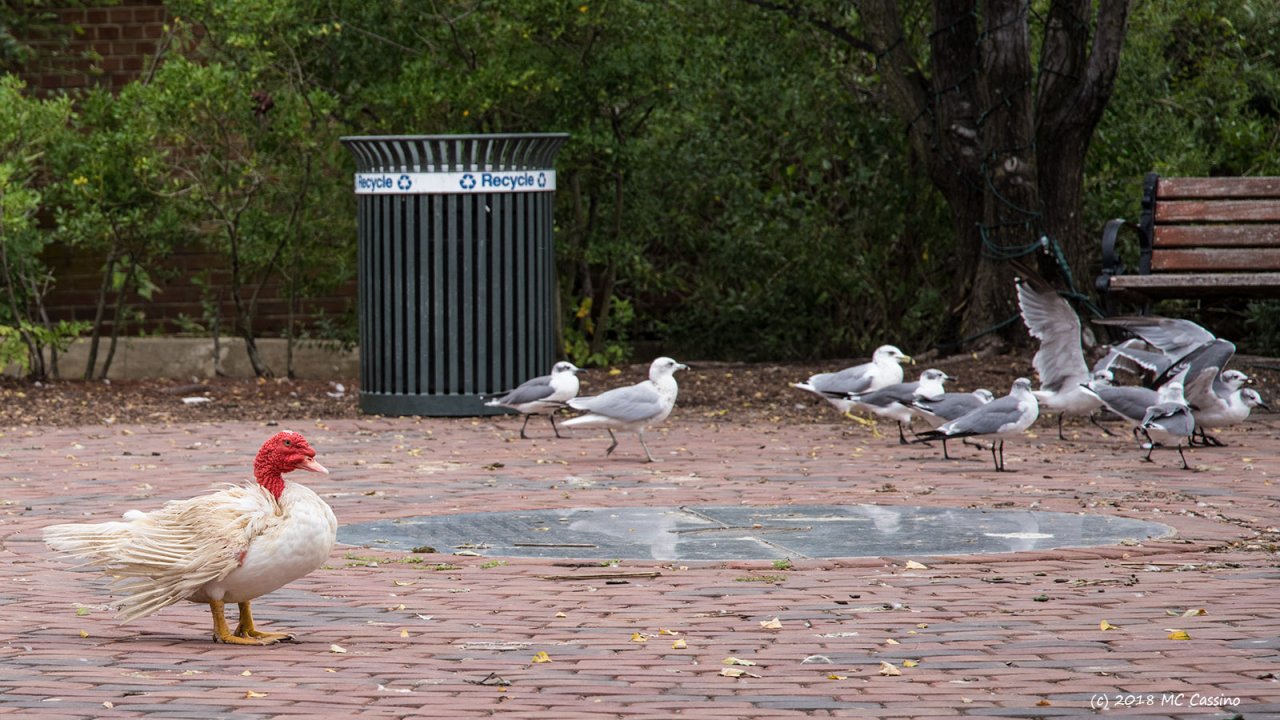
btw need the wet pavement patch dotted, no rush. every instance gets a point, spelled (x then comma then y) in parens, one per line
(749, 533)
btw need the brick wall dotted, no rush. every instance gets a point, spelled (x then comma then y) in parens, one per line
(111, 47)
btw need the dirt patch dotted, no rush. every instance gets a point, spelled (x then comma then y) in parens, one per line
(733, 392)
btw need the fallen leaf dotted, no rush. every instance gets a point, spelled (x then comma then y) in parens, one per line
(252, 694)
(394, 608)
(1179, 635)
(337, 649)
(108, 704)
(247, 673)
(639, 637)
(82, 611)
(1043, 703)
(737, 661)
(909, 663)
(922, 625)
(542, 657)
(913, 565)
(84, 633)
(1105, 626)
(404, 583)
(404, 633)
(834, 676)
(679, 644)
(1194, 612)
(891, 641)
(561, 615)
(664, 631)
(774, 624)
(888, 668)
(732, 672)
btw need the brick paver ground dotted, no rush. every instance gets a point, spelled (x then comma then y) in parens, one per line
(384, 634)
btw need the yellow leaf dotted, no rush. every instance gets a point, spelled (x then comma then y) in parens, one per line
(542, 657)
(561, 615)
(1043, 703)
(891, 641)
(84, 634)
(639, 637)
(737, 661)
(614, 371)
(888, 668)
(834, 676)
(1105, 626)
(733, 672)
(922, 625)
(1179, 635)
(404, 633)
(774, 624)
(913, 565)
(404, 583)
(679, 644)
(337, 649)
(108, 704)
(1193, 612)
(251, 694)
(664, 631)
(247, 673)
(396, 607)
(909, 663)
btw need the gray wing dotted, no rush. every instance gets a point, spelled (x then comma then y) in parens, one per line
(1173, 418)
(1201, 391)
(1130, 403)
(1130, 358)
(854, 379)
(1060, 361)
(1211, 358)
(901, 393)
(987, 419)
(950, 406)
(1172, 336)
(628, 404)
(528, 391)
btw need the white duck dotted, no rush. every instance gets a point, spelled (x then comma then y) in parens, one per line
(230, 546)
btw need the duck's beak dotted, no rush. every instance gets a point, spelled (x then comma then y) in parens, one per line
(310, 465)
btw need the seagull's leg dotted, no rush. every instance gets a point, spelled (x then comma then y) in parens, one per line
(246, 629)
(1151, 446)
(1210, 440)
(1185, 466)
(525, 425)
(902, 439)
(945, 456)
(646, 447)
(222, 633)
(993, 458)
(613, 437)
(1093, 418)
(552, 416)
(1061, 415)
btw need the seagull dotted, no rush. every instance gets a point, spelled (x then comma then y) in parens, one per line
(894, 401)
(1004, 417)
(1134, 356)
(884, 369)
(1060, 360)
(543, 395)
(1181, 341)
(632, 408)
(1168, 421)
(1220, 402)
(950, 406)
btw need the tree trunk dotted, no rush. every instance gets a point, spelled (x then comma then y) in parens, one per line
(100, 311)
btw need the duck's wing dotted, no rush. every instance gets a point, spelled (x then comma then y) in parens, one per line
(164, 556)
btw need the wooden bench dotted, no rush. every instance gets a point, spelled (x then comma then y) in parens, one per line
(1198, 237)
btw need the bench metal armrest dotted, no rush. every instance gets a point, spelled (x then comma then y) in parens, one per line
(1112, 265)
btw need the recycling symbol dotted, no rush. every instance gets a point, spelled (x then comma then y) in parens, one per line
(542, 179)
(468, 181)
(404, 183)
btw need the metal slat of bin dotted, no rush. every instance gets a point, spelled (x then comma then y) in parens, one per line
(457, 284)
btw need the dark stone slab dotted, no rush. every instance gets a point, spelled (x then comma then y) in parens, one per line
(750, 533)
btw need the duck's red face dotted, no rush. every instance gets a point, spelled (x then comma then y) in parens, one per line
(285, 452)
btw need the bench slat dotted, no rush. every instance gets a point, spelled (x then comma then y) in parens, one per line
(1215, 260)
(1224, 187)
(1156, 286)
(1200, 211)
(1173, 236)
